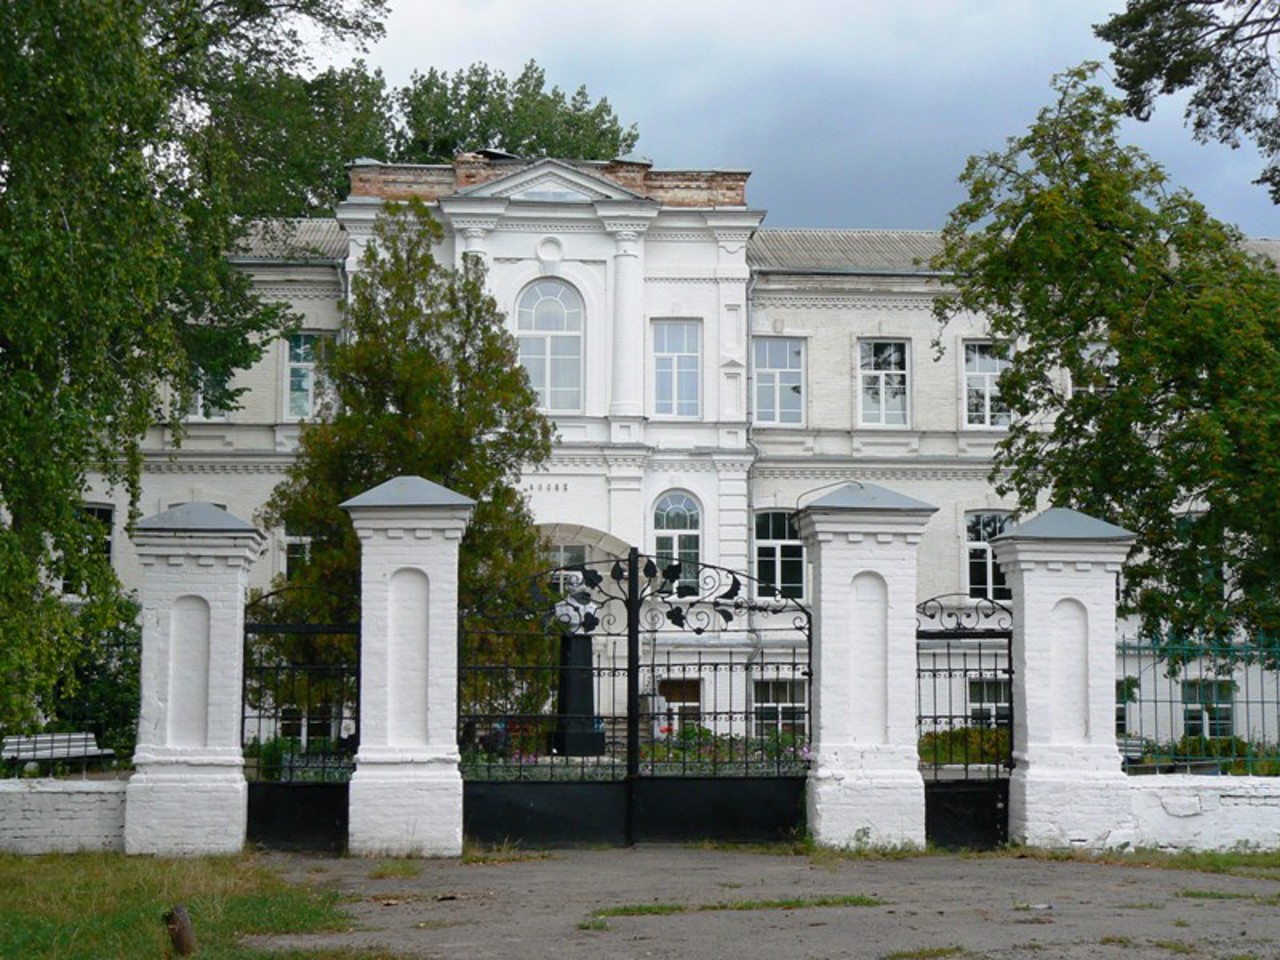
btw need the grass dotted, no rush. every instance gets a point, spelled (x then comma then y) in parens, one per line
(790, 903)
(68, 907)
(478, 854)
(395, 869)
(1213, 895)
(926, 953)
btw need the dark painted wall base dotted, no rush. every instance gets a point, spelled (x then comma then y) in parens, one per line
(298, 816)
(966, 814)
(683, 810)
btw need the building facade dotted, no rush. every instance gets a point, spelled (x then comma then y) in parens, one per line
(706, 376)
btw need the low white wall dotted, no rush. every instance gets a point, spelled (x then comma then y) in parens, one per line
(1181, 812)
(61, 816)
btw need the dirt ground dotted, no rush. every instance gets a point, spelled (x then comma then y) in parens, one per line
(930, 906)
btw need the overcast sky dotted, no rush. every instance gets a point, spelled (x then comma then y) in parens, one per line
(848, 113)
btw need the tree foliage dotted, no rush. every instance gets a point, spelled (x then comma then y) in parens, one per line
(480, 108)
(1144, 376)
(115, 292)
(1224, 51)
(424, 380)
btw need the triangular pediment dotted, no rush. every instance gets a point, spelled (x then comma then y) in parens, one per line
(550, 181)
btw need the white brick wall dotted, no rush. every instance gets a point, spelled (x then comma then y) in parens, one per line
(61, 816)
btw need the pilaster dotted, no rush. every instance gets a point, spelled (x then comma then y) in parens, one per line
(406, 792)
(865, 786)
(1067, 787)
(188, 794)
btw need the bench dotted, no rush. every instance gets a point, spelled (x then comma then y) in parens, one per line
(53, 747)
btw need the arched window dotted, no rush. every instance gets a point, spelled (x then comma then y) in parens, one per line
(549, 319)
(677, 524)
(986, 579)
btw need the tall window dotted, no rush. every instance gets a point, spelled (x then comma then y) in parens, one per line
(304, 395)
(882, 375)
(549, 320)
(677, 523)
(779, 376)
(986, 579)
(779, 555)
(1208, 707)
(676, 359)
(982, 404)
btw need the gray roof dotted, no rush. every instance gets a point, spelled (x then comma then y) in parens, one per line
(408, 492)
(843, 251)
(320, 238)
(1062, 523)
(869, 496)
(195, 517)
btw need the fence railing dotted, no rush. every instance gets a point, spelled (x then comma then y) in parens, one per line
(1191, 708)
(719, 714)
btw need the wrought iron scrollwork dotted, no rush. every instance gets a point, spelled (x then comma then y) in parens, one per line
(697, 598)
(959, 615)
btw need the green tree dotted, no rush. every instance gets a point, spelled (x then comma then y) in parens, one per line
(480, 108)
(424, 380)
(115, 292)
(1144, 362)
(292, 136)
(1222, 50)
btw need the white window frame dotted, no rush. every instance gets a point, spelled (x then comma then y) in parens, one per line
(562, 558)
(778, 367)
(675, 542)
(305, 365)
(982, 369)
(679, 712)
(778, 706)
(978, 550)
(550, 328)
(872, 377)
(677, 369)
(772, 552)
(198, 411)
(1208, 708)
(990, 700)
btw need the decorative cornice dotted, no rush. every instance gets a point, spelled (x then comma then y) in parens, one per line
(298, 291)
(849, 301)
(230, 464)
(548, 226)
(764, 470)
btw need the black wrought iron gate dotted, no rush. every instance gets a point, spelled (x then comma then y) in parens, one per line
(964, 719)
(300, 726)
(627, 701)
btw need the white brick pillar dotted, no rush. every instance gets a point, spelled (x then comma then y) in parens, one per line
(188, 793)
(1067, 787)
(865, 786)
(406, 792)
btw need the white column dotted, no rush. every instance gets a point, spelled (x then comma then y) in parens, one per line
(1067, 787)
(406, 792)
(627, 222)
(188, 793)
(865, 787)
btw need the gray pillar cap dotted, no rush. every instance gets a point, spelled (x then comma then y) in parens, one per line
(408, 492)
(196, 516)
(1063, 523)
(869, 496)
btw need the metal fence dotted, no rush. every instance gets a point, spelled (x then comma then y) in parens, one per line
(94, 714)
(1190, 708)
(624, 669)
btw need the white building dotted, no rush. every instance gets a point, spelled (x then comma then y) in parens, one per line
(706, 376)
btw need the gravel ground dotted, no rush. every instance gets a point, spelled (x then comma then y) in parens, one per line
(929, 906)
